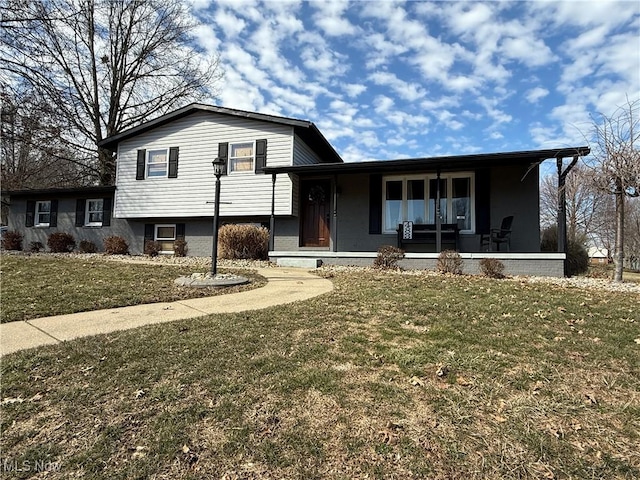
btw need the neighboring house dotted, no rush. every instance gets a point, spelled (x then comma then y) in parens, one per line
(599, 256)
(282, 173)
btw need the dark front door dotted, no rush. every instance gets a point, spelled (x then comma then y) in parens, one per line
(315, 213)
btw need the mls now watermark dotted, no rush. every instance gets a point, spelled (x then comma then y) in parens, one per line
(10, 465)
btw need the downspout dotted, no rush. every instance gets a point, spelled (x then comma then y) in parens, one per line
(334, 229)
(272, 220)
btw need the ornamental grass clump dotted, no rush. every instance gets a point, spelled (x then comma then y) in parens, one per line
(12, 240)
(388, 257)
(115, 245)
(450, 261)
(491, 267)
(60, 242)
(243, 242)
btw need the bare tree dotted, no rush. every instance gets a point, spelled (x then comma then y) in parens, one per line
(106, 65)
(31, 152)
(585, 204)
(617, 167)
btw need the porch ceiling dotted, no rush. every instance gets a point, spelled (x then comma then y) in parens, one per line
(459, 162)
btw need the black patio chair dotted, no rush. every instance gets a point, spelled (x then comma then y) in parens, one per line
(498, 236)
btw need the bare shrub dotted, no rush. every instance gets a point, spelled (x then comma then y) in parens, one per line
(60, 242)
(152, 248)
(86, 246)
(180, 248)
(388, 257)
(492, 268)
(12, 240)
(450, 261)
(243, 242)
(115, 245)
(36, 247)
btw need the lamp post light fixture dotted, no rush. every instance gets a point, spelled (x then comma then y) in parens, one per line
(218, 170)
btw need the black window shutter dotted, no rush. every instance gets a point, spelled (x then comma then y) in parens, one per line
(223, 154)
(261, 155)
(142, 156)
(81, 203)
(106, 212)
(179, 231)
(173, 162)
(31, 213)
(483, 201)
(375, 204)
(53, 217)
(148, 231)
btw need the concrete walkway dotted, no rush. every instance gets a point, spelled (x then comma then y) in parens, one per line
(285, 285)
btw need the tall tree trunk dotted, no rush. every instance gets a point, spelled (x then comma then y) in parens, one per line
(107, 164)
(619, 255)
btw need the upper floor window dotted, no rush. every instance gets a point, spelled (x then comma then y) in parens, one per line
(241, 157)
(93, 213)
(157, 163)
(415, 198)
(43, 214)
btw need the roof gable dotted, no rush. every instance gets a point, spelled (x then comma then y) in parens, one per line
(305, 129)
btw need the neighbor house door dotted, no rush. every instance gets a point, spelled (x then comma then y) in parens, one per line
(315, 213)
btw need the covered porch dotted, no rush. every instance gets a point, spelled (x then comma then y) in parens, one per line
(344, 212)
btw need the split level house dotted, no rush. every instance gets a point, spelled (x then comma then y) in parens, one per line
(282, 173)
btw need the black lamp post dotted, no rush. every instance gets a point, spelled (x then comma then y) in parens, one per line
(218, 170)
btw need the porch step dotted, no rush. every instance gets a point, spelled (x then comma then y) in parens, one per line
(299, 262)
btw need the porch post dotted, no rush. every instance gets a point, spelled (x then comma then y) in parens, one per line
(272, 220)
(334, 227)
(438, 213)
(562, 205)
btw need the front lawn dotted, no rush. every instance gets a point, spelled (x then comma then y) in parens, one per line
(40, 286)
(388, 376)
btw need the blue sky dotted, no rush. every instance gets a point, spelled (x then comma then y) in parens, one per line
(387, 80)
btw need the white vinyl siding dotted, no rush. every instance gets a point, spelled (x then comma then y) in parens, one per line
(192, 193)
(302, 153)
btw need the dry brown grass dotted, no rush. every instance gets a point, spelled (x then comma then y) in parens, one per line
(389, 376)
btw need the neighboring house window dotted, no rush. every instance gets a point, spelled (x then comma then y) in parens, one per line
(166, 235)
(414, 199)
(157, 163)
(241, 157)
(43, 214)
(94, 213)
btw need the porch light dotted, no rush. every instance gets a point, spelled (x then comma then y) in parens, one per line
(218, 170)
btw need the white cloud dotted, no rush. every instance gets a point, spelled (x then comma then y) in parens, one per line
(536, 94)
(353, 89)
(406, 90)
(329, 17)
(383, 104)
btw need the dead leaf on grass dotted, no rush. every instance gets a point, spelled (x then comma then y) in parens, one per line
(442, 371)
(36, 397)
(139, 393)
(591, 399)
(463, 382)
(416, 382)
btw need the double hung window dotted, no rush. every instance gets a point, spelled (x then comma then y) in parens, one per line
(157, 163)
(93, 213)
(43, 214)
(241, 157)
(166, 235)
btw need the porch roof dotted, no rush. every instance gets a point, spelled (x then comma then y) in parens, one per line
(450, 163)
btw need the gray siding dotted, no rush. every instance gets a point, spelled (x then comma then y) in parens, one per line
(508, 196)
(511, 195)
(66, 224)
(302, 153)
